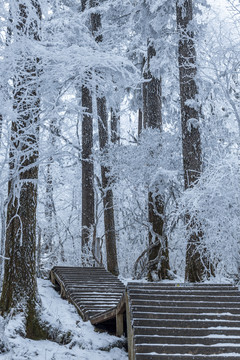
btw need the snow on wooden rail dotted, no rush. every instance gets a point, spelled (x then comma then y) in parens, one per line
(92, 290)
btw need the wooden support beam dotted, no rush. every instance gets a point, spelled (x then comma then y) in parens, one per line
(121, 309)
(119, 325)
(130, 334)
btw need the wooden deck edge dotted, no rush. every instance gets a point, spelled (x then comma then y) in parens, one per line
(116, 312)
(121, 307)
(104, 316)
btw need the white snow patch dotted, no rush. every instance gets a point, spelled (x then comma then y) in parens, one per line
(86, 343)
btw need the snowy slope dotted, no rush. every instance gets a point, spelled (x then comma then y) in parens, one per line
(84, 342)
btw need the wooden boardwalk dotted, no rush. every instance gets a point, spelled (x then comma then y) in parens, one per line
(164, 321)
(92, 290)
(183, 322)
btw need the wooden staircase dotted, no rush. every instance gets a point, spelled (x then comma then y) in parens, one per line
(183, 322)
(92, 290)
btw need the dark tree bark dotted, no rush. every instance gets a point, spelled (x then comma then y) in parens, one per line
(152, 105)
(48, 231)
(153, 97)
(88, 213)
(1, 124)
(49, 202)
(2, 242)
(191, 141)
(140, 121)
(115, 120)
(145, 95)
(109, 222)
(196, 263)
(19, 284)
(87, 173)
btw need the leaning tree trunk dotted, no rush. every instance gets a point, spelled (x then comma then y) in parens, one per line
(88, 210)
(152, 105)
(19, 284)
(109, 221)
(196, 263)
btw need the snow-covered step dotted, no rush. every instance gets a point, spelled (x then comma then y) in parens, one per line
(186, 323)
(180, 291)
(179, 322)
(181, 286)
(179, 309)
(187, 303)
(186, 298)
(172, 331)
(196, 349)
(185, 316)
(185, 340)
(153, 356)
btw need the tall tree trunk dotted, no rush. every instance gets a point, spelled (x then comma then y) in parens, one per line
(19, 284)
(87, 174)
(158, 255)
(196, 264)
(109, 222)
(88, 216)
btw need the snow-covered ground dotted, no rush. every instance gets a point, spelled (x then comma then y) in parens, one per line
(85, 343)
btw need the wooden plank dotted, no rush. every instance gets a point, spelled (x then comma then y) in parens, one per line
(187, 304)
(183, 292)
(179, 285)
(187, 349)
(198, 298)
(152, 356)
(184, 340)
(185, 323)
(183, 316)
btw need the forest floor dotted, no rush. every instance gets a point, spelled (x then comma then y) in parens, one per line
(84, 343)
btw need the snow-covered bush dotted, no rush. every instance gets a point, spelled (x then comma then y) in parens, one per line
(151, 164)
(213, 206)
